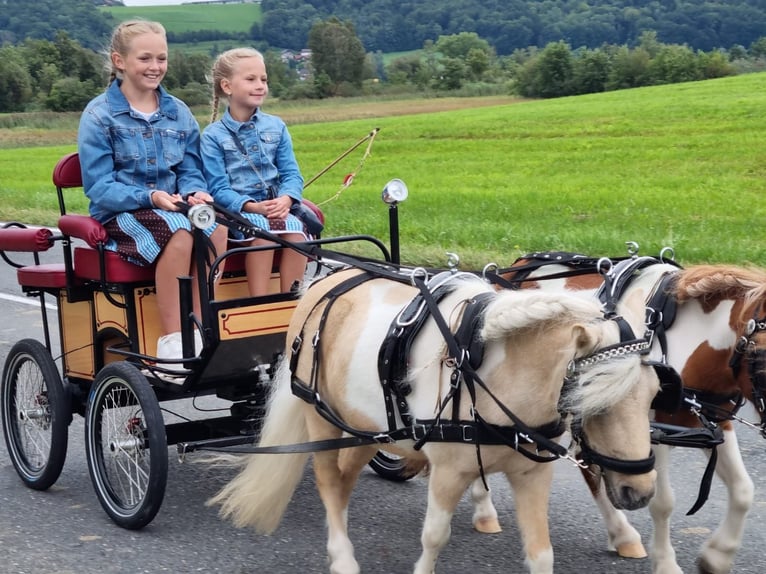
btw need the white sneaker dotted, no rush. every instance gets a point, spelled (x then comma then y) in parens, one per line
(170, 347)
(197, 342)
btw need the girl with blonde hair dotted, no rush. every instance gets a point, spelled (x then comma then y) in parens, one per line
(250, 165)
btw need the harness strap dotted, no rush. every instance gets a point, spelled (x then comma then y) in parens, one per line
(395, 349)
(661, 310)
(710, 404)
(707, 481)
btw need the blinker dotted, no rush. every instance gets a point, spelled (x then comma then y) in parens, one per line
(669, 398)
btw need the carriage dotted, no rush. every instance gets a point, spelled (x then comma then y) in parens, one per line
(107, 323)
(108, 327)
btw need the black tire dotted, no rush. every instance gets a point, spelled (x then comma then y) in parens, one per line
(126, 445)
(391, 467)
(36, 412)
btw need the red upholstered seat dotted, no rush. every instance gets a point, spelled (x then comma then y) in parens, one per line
(88, 266)
(48, 276)
(86, 260)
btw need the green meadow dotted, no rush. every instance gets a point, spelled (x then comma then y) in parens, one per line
(682, 166)
(193, 17)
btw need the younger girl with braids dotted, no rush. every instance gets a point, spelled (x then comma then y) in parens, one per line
(139, 155)
(250, 165)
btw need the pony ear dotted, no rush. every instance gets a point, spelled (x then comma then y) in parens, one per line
(586, 337)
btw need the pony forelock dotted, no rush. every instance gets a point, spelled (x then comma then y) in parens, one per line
(602, 385)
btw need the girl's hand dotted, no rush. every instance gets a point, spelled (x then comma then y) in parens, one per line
(199, 197)
(277, 208)
(164, 200)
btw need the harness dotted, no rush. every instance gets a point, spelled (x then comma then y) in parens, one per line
(465, 352)
(392, 373)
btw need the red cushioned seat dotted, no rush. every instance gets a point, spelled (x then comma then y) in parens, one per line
(48, 276)
(87, 266)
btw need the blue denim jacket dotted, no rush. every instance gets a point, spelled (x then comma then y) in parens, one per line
(124, 158)
(231, 176)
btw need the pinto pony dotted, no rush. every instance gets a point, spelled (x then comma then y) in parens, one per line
(709, 323)
(450, 398)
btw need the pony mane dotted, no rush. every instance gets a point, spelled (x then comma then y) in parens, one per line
(720, 282)
(526, 309)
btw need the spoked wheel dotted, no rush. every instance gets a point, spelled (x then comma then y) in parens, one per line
(391, 467)
(36, 412)
(126, 445)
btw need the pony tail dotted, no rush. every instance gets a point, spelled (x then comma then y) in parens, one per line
(258, 496)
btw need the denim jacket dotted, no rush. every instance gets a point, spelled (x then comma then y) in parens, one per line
(124, 157)
(231, 175)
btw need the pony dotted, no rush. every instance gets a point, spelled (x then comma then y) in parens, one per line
(450, 394)
(709, 324)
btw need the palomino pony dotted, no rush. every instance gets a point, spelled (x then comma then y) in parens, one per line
(708, 323)
(456, 360)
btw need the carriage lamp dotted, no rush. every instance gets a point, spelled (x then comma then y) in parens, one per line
(394, 192)
(201, 216)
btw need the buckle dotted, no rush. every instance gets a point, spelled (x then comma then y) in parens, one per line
(415, 428)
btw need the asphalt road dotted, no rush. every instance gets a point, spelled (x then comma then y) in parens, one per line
(65, 531)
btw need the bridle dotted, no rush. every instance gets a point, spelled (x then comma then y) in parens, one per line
(748, 352)
(628, 345)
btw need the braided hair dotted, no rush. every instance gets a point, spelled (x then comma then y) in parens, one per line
(223, 68)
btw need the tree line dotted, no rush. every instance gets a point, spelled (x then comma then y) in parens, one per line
(63, 74)
(510, 25)
(402, 25)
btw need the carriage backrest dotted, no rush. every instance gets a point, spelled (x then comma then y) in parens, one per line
(66, 175)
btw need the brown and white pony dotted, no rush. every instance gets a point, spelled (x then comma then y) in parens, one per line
(529, 344)
(715, 342)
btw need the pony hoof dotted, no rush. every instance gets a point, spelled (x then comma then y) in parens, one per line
(487, 525)
(631, 550)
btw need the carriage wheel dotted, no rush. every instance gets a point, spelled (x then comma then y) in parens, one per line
(391, 467)
(126, 445)
(36, 412)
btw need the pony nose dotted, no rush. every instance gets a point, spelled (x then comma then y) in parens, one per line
(633, 499)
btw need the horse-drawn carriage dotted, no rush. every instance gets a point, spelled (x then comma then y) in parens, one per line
(107, 323)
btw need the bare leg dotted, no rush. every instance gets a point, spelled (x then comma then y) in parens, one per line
(174, 261)
(219, 239)
(292, 267)
(258, 267)
(718, 551)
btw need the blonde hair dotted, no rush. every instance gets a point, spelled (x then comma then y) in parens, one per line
(223, 68)
(123, 35)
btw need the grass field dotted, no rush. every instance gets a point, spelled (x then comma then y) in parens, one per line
(193, 17)
(680, 166)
